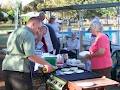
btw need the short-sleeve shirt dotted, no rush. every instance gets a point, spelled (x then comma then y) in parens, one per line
(103, 61)
(20, 45)
(73, 44)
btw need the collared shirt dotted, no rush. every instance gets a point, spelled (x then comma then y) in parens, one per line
(20, 45)
(73, 44)
(103, 61)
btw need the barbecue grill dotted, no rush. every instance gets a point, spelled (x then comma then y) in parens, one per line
(56, 83)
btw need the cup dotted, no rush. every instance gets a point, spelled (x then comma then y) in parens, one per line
(65, 57)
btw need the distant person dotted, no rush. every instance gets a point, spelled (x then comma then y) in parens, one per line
(47, 36)
(44, 43)
(54, 39)
(20, 51)
(48, 40)
(72, 46)
(55, 25)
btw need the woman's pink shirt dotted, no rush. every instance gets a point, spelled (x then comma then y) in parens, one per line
(103, 61)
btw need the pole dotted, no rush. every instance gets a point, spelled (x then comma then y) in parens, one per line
(17, 13)
(80, 29)
(16, 17)
(118, 24)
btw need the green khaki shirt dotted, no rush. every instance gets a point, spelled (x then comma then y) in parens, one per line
(20, 45)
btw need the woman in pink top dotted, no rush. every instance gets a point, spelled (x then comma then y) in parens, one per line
(100, 55)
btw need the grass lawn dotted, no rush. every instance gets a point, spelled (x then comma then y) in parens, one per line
(6, 26)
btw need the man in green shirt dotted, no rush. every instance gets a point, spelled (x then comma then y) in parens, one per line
(20, 51)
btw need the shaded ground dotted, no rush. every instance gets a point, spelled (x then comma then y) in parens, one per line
(113, 88)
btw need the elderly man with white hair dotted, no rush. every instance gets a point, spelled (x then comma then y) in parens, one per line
(46, 36)
(72, 46)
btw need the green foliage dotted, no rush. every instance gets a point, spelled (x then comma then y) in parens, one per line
(88, 13)
(25, 19)
(10, 12)
(91, 13)
(109, 12)
(36, 5)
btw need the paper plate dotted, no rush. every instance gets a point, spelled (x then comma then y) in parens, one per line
(69, 72)
(83, 53)
(65, 69)
(79, 71)
(74, 68)
(86, 84)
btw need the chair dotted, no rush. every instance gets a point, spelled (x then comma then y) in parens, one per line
(115, 72)
(116, 57)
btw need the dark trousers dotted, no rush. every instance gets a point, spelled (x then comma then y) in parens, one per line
(17, 81)
(103, 72)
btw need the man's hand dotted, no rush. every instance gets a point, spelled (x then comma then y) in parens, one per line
(48, 68)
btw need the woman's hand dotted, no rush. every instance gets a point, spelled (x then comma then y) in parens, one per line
(100, 52)
(87, 57)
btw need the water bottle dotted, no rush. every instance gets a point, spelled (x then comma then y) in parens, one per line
(88, 65)
(65, 57)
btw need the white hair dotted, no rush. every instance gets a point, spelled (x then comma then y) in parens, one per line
(96, 18)
(98, 25)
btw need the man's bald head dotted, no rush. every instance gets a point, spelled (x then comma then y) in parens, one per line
(34, 24)
(33, 20)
